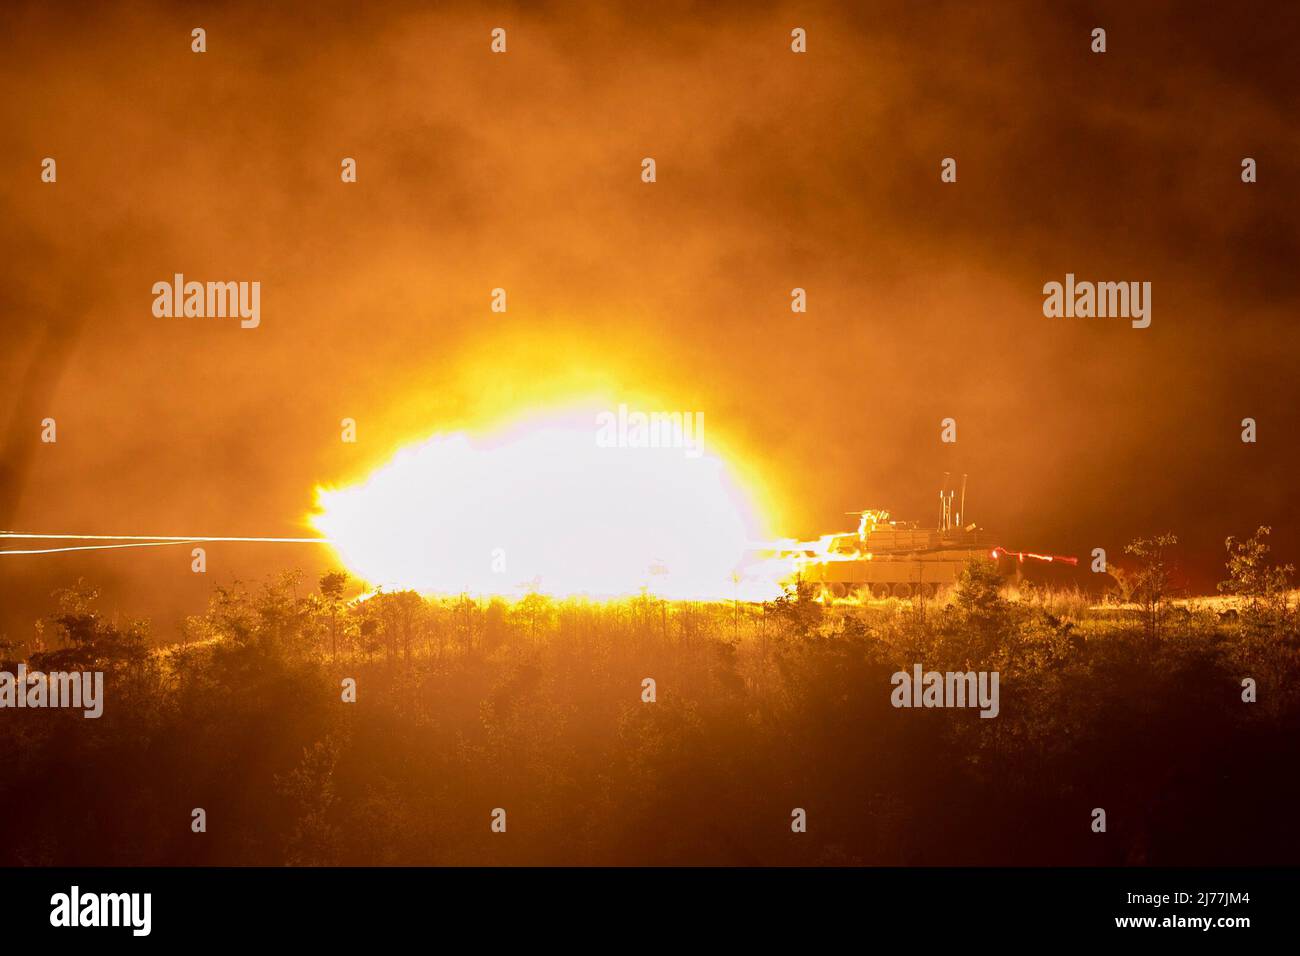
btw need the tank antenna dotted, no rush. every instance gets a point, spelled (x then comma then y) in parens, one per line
(943, 502)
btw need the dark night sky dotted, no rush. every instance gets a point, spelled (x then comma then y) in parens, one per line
(522, 171)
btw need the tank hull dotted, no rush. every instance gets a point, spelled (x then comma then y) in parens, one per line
(908, 563)
(892, 575)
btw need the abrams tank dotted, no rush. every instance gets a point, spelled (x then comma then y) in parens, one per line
(889, 558)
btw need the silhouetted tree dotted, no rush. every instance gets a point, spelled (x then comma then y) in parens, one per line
(1251, 576)
(89, 642)
(798, 608)
(332, 584)
(1151, 582)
